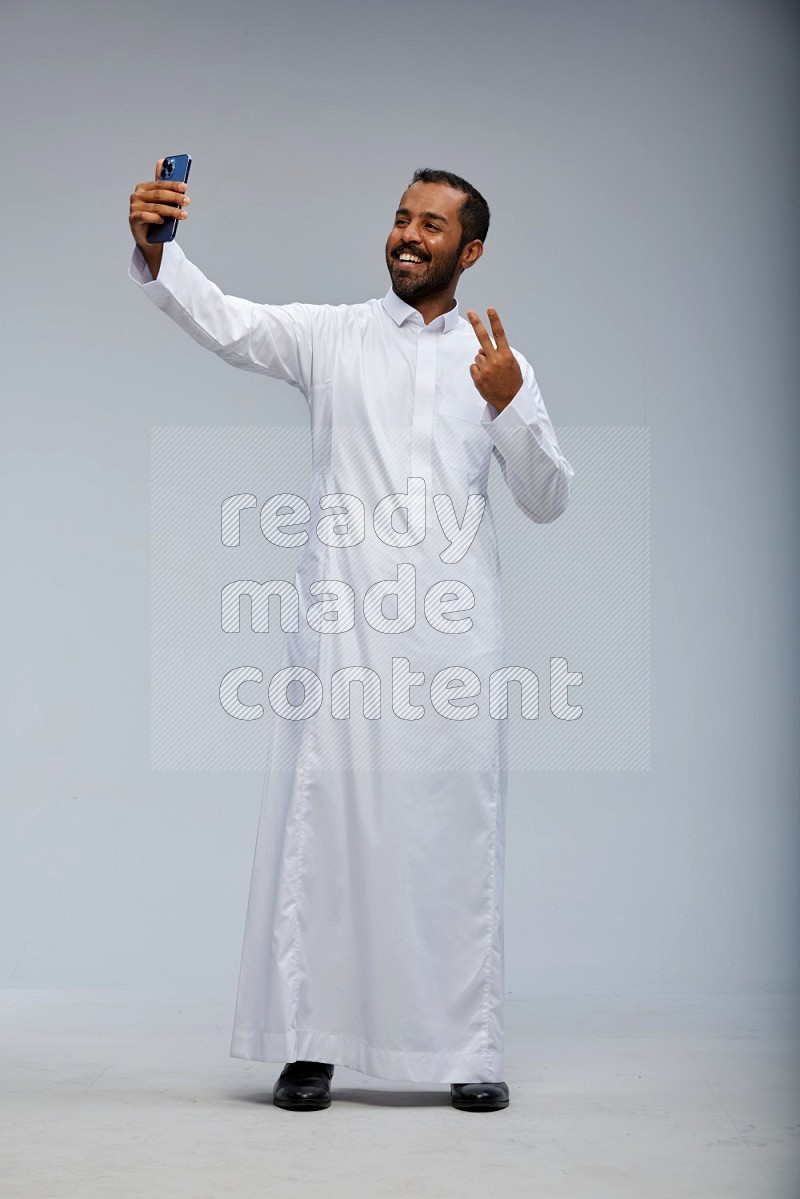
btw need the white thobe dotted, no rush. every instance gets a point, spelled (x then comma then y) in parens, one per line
(374, 928)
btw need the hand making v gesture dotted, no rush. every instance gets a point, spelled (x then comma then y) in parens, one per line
(495, 371)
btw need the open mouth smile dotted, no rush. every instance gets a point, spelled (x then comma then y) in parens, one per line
(406, 259)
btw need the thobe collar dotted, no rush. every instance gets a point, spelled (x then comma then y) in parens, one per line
(400, 312)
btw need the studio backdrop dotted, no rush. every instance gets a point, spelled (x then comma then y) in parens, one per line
(639, 162)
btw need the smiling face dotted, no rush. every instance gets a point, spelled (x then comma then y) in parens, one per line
(422, 250)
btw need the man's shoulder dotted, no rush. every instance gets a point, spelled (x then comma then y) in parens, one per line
(357, 311)
(341, 316)
(344, 309)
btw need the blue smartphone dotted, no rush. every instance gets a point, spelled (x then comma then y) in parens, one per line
(176, 170)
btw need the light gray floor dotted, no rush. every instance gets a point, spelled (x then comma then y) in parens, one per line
(663, 1097)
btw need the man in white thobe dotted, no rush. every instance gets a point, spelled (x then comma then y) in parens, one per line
(374, 929)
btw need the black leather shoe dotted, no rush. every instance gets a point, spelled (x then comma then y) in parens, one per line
(479, 1096)
(303, 1086)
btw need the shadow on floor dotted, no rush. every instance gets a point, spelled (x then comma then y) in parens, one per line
(370, 1098)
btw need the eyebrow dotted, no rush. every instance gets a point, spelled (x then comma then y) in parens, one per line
(437, 216)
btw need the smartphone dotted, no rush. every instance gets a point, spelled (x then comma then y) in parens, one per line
(176, 170)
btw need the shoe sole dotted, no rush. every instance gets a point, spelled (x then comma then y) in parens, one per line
(308, 1105)
(481, 1107)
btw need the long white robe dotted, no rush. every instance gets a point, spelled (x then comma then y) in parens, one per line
(374, 928)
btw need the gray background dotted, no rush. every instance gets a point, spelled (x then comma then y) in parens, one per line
(638, 159)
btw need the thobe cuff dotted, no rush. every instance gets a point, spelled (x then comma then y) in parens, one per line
(521, 413)
(171, 259)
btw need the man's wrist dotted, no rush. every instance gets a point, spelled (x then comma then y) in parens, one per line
(152, 256)
(499, 405)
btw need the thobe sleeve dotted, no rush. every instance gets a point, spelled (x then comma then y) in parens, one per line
(273, 339)
(536, 472)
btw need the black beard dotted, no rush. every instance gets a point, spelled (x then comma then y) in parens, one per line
(421, 284)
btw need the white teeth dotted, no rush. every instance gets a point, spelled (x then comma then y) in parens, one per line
(409, 258)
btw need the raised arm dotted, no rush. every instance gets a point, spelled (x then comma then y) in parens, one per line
(269, 338)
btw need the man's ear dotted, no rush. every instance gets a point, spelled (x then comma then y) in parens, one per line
(471, 253)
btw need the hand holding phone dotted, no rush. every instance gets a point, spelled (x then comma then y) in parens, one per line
(157, 206)
(172, 170)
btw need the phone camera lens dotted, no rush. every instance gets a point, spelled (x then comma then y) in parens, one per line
(168, 168)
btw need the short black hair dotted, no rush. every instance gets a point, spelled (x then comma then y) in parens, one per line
(474, 212)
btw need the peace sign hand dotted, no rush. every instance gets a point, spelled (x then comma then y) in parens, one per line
(495, 371)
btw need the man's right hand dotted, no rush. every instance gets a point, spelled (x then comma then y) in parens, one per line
(151, 204)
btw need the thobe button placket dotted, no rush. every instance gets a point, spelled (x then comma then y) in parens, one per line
(422, 420)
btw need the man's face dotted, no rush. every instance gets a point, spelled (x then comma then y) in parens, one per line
(426, 229)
